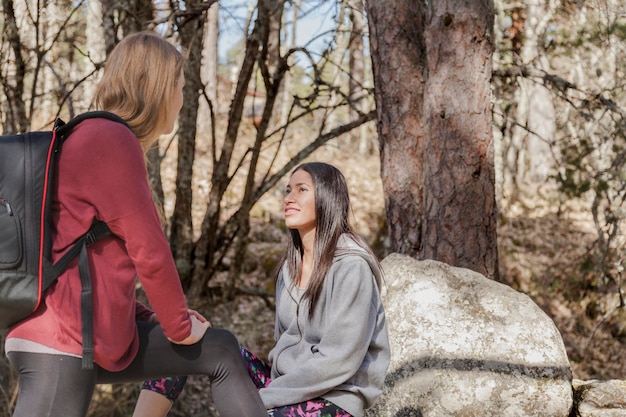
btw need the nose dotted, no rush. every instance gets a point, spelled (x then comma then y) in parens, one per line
(288, 197)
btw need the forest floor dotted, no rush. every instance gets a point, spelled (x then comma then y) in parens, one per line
(544, 249)
(547, 253)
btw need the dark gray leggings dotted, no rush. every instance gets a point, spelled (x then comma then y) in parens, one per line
(57, 386)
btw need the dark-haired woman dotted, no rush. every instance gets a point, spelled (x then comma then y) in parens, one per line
(332, 349)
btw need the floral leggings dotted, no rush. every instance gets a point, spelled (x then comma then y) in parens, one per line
(259, 371)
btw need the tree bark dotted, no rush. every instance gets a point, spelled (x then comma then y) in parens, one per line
(209, 247)
(357, 94)
(460, 222)
(191, 32)
(286, 91)
(96, 40)
(210, 53)
(15, 117)
(432, 70)
(398, 61)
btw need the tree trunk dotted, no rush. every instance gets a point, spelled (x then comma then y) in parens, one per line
(459, 206)
(191, 31)
(272, 71)
(286, 90)
(136, 15)
(398, 62)
(432, 81)
(528, 153)
(210, 53)
(212, 245)
(335, 65)
(96, 36)
(357, 94)
(15, 118)
(541, 114)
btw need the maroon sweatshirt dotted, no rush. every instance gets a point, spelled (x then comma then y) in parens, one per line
(101, 174)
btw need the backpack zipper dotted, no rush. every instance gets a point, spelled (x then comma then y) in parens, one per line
(7, 205)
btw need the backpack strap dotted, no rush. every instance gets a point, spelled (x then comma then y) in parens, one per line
(98, 230)
(64, 129)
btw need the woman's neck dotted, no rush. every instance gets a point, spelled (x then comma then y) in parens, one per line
(306, 269)
(308, 259)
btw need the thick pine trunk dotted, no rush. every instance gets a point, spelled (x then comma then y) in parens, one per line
(432, 70)
(459, 215)
(398, 62)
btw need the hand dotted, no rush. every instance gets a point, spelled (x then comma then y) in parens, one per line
(199, 326)
(154, 319)
(199, 316)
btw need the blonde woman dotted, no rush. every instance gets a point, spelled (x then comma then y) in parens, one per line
(102, 175)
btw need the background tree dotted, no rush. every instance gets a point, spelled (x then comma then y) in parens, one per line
(190, 27)
(560, 112)
(358, 80)
(432, 67)
(559, 86)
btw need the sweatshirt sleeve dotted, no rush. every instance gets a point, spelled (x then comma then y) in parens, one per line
(150, 253)
(113, 159)
(348, 325)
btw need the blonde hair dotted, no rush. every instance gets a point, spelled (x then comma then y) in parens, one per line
(139, 78)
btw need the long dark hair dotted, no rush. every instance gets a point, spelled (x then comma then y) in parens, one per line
(332, 219)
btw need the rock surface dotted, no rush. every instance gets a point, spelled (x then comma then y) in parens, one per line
(600, 398)
(465, 345)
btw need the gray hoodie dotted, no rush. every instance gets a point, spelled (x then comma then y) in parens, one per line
(342, 354)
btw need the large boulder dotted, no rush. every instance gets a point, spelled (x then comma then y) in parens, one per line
(465, 345)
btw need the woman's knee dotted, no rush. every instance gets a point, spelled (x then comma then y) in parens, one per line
(225, 354)
(223, 338)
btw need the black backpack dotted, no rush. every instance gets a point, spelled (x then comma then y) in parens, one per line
(27, 165)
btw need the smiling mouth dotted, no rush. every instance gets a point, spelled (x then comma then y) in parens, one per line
(290, 211)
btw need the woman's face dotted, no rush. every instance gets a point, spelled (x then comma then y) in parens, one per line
(299, 203)
(176, 103)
